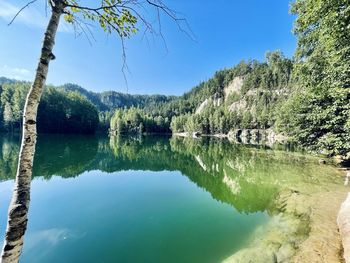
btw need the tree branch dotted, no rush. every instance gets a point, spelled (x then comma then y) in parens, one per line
(20, 10)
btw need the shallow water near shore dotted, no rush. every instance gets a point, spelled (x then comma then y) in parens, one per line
(161, 199)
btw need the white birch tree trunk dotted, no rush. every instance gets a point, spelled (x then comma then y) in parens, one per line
(18, 210)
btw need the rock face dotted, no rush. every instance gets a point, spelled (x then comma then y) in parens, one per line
(201, 107)
(238, 105)
(234, 86)
(273, 137)
(344, 227)
(215, 100)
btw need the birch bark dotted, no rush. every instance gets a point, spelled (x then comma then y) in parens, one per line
(18, 210)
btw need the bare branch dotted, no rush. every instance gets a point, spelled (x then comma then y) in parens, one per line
(20, 10)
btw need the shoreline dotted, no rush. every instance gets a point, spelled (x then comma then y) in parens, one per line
(303, 229)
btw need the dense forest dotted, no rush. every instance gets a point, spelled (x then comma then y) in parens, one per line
(75, 109)
(59, 112)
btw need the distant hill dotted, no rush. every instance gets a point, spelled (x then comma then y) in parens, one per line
(108, 100)
(4, 80)
(111, 100)
(13, 94)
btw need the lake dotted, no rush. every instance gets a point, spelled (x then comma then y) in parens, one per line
(161, 199)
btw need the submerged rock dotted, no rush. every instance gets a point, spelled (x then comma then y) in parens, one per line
(278, 240)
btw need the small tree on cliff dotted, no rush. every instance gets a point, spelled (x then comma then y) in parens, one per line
(113, 16)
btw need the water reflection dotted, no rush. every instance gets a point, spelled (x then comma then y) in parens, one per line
(254, 180)
(64, 155)
(9, 148)
(247, 178)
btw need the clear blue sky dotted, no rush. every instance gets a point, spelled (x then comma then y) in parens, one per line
(226, 31)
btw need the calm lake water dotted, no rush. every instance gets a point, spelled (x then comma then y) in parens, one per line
(148, 199)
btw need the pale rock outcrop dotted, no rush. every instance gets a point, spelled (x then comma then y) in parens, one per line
(232, 184)
(256, 136)
(238, 105)
(273, 137)
(215, 100)
(201, 163)
(201, 107)
(235, 86)
(252, 92)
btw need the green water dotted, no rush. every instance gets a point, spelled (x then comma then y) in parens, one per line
(148, 199)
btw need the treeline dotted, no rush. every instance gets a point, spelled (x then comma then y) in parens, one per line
(108, 101)
(65, 105)
(59, 111)
(66, 112)
(137, 121)
(111, 100)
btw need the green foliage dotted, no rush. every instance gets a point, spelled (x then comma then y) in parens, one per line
(73, 113)
(112, 16)
(59, 111)
(111, 100)
(138, 121)
(107, 102)
(14, 92)
(274, 74)
(12, 96)
(319, 110)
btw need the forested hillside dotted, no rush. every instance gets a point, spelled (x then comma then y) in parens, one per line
(248, 95)
(111, 100)
(59, 112)
(69, 104)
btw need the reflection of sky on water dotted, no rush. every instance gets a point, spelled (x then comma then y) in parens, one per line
(51, 237)
(45, 240)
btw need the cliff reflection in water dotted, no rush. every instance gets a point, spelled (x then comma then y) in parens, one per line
(248, 178)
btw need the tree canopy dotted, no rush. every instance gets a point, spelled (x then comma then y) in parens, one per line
(60, 111)
(319, 110)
